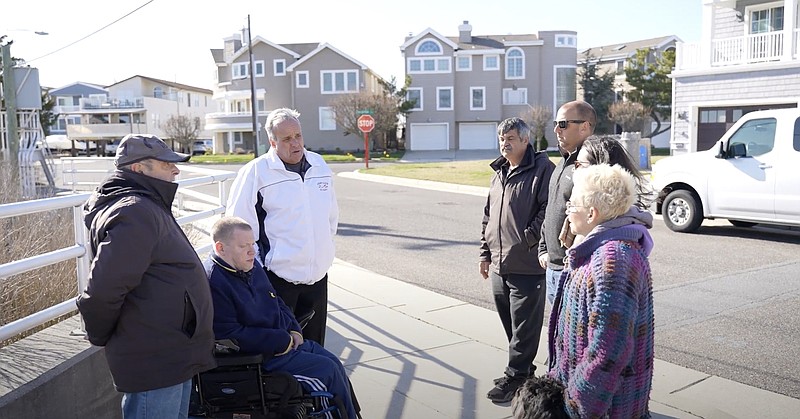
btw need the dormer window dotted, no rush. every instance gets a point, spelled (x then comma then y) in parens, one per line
(429, 47)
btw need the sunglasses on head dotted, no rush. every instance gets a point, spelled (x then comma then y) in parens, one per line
(563, 123)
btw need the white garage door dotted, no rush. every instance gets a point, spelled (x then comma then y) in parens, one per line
(477, 136)
(428, 137)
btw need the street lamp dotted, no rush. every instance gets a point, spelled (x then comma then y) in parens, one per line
(10, 95)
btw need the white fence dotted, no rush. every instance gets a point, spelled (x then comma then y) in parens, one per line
(211, 207)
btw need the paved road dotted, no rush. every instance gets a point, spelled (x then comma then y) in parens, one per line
(727, 299)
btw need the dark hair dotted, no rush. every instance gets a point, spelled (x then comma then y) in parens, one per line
(514, 123)
(606, 149)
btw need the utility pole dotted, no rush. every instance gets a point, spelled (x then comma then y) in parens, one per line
(253, 104)
(10, 94)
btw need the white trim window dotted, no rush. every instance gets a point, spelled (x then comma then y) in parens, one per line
(515, 64)
(491, 62)
(477, 98)
(238, 138)
(428, 47)
(518, 96)
(339, 81)
(566, 41)
(301, 79)
(259, 68)
(464, 63)
(279, 67)
(766, 18)
(429, 65)
(414, 94)
(564, 80)
(327, 119)
(239, 70)
(444, 98)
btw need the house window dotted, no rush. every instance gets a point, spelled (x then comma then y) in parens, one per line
(260, 105)
(327, 119)
(429, 65)
(280, 67)
(238, 138)
(240, 70)
(620, 67)
(518, 96)
(515, 64)
(345, 81)
(766, 20)
(491, 62)
(464, 63)
(259, 68)
(301, 79)
(429, 47)
(158, 92)
(565, 85)
(414, 95)
(477, 98)
(444, 98)
(566, 41)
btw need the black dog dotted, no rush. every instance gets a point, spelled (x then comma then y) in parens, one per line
(539, 398)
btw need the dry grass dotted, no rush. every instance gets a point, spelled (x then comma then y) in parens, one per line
(30, 235)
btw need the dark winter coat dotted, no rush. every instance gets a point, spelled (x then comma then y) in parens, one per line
(147, 300)
(560, 190)
(514, 212)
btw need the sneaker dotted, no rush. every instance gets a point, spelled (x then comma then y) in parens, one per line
(496, 381)
(504, 390)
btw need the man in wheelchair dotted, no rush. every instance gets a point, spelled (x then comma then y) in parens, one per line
(248, 311)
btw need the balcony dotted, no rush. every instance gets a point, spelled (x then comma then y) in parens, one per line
(104, 131)
(111, 103)
(740, 50)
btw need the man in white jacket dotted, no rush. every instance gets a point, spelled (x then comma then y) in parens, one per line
(287, 197)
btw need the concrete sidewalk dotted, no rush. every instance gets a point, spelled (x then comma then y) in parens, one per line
(414, 354)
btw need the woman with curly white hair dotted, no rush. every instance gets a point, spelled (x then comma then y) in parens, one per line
(601, 326)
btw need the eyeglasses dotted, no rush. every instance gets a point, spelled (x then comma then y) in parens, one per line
(579, 164)
(563, 123)
(571, 208)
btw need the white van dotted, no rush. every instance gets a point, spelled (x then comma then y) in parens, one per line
(61, 144)
(751, 176)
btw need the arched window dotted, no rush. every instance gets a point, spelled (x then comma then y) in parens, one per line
(429, 47)
(515, 64)
(158, 92)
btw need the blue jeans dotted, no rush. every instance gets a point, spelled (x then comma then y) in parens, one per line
(316, 369)
(167, 402)
(552, 278)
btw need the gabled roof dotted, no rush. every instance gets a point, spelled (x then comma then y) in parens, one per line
(494, 41)
(258, 40)
(218, 55)
(626, 49)
(76, 87)
(317, 51)
(167, 83)
(424, 33)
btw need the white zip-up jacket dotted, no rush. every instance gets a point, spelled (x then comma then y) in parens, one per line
(293, 220)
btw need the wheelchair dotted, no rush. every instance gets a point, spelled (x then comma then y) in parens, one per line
(239, 389)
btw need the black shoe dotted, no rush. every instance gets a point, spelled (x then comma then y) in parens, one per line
(496, 381)
(504, 390)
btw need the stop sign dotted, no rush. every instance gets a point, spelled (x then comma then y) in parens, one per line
(366, 123)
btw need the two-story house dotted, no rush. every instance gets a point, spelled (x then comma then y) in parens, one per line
(305, 77)
(746, 60)
(138, 105)
(464, 86)
(614, 58)
(67, 100)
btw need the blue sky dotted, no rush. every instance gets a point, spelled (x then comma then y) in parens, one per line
(171, 39)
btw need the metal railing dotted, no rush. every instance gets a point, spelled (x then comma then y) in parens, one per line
(211, 206)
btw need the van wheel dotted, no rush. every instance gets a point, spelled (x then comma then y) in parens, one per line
(744, 224)
(682, 211)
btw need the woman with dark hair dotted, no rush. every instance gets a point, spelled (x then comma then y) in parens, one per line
(607, 150)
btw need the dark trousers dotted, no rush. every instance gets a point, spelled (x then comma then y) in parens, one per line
(304, 298)
(520, 303)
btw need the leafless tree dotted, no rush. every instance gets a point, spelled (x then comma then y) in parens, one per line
(629, 115)
(183, 130)
(538, 118)
(382, 108)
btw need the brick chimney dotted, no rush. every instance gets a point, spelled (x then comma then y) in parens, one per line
(465, 32)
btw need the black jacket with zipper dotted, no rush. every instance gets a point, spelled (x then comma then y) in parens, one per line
(514, 212)
(147, 300)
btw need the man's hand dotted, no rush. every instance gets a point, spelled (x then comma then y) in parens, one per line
(544, 260)
(484, 268)
(297, 339)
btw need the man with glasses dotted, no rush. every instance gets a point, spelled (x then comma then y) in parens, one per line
(512, 221)
(575, 122)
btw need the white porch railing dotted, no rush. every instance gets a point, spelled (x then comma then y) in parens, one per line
(78, 250)
(748, 49)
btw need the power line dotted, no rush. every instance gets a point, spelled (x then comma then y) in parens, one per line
(93, 33)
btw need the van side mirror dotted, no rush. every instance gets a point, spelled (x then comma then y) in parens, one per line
(737, 150)
(721, 151)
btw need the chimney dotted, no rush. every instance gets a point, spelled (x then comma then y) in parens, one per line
(465, 32)
(232, 44)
